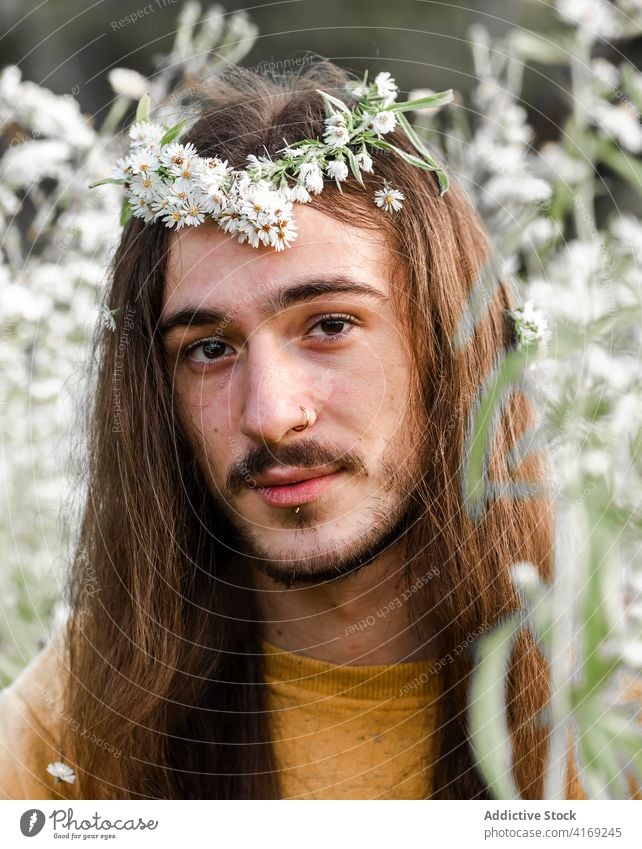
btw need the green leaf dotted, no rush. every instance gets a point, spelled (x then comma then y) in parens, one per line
(442, 177)
(173, 132)
(335, 100)
(354, 166)
(421, 148)
(489, 733)
(413, 136)
(413, 160)
(143, 110)
(509, 371)
(440, 98)
(117, 181)
(125, 212)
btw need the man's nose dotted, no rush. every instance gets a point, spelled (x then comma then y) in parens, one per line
(274, 389)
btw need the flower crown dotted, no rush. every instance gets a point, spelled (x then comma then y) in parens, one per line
(169, 182)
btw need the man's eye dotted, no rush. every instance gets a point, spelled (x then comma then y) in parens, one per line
(205, 350)
(332, 326)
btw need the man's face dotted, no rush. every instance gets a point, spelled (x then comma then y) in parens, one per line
(242, 363)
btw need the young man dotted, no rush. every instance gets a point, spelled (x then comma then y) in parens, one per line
(283, 570)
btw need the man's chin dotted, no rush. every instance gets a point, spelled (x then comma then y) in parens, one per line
(315, 563)
(304, 573)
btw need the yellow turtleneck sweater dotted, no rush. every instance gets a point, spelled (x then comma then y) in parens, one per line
(352, 732)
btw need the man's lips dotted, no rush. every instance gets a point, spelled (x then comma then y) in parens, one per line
(282, 477)
(295, 486)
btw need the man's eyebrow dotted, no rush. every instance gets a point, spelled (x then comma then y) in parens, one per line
(299, 292)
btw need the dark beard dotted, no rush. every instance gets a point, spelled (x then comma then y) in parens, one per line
(373, 545)
(384, 526)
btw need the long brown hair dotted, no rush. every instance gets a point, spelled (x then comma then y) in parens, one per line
(164, 655)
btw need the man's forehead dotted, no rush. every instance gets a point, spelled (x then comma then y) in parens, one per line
(205, 263)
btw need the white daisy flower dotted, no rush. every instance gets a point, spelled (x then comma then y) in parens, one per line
(267, 233)
(61, 772)
(337, 169)
(175, 155)
(122, 169)
(337, 136)
(106, 317)
(262, 200)
(282, 208)
(312, 177)
(358, 90)
(161, 203)
(530, 324)
(364, 161)
(177, 196)
(142, 209)
(184, 184)
(367, 120)
(143, 159)
(193, 212)
(299, 193)
(336, 119)
(285, 234)
(189, 169)
(145, 185)
(146, 133)
(260, 166)
(230, 219)
(212, 199)
(213, 168)
(175, 217)
(252, 208)
(249, 232)
(384, 122)
(389, 199)
(386, 87)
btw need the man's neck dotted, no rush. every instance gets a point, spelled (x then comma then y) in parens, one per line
(359, 620)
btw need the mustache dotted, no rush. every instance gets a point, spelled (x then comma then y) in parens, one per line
(304, 455)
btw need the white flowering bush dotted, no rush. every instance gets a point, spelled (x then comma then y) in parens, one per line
(583, 273)
(56, 244)
(577, 274)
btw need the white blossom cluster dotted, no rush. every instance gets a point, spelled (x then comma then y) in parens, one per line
(57, 242)
(170, 182)
(61, 772)
(173, 184)
(531, 325)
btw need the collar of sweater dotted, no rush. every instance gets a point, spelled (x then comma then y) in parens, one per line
(414, 681)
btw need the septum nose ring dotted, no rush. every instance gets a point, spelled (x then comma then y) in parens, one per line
(307, 421)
